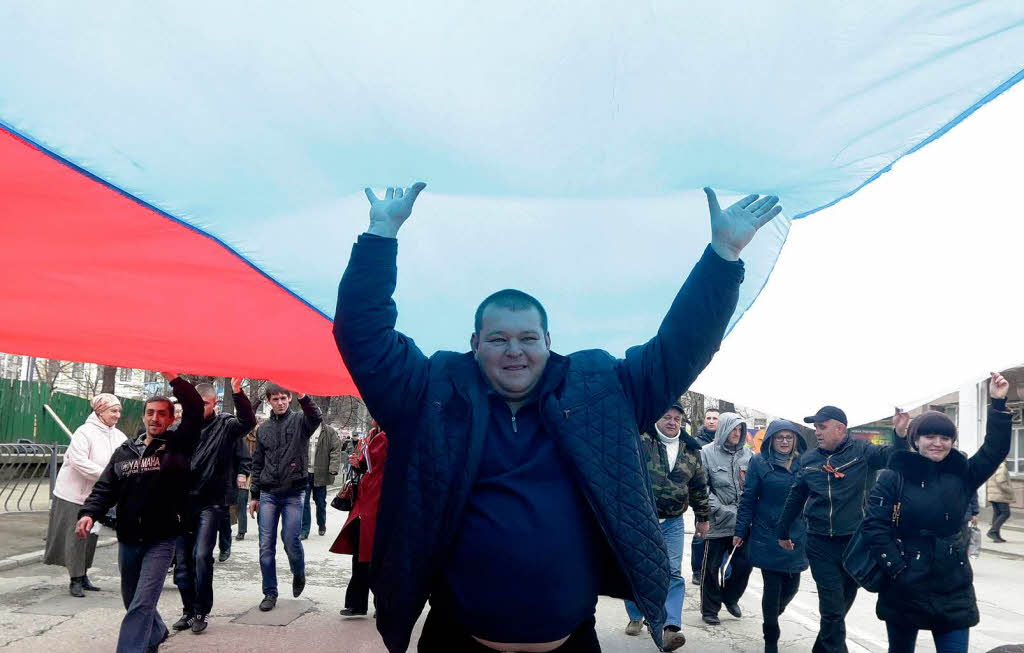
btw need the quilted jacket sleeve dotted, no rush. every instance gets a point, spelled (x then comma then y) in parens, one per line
(387, 367)
(657, 373)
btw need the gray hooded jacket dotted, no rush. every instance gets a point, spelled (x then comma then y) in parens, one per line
(725, 471)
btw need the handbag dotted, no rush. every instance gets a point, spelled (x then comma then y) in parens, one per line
(346, 498)
(859, 561)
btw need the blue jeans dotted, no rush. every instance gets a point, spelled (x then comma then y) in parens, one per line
(319, 495)
(903, 639)
(193, 575)
(672, 530)
(143, 570)
(286, 507)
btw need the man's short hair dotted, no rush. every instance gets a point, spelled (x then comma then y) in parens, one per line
(155, 399)
(712, 410)
(274, 389)
(206, 390)
(514, 300)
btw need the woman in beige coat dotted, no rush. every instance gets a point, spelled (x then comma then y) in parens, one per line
(999, 491)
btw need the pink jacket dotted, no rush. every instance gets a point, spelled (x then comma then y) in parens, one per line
(92, 445)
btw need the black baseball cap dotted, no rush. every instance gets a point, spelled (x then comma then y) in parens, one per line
(826, 413)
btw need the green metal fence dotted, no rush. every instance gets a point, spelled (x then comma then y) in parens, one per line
(22, 414)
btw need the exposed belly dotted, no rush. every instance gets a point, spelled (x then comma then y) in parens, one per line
(542, 647)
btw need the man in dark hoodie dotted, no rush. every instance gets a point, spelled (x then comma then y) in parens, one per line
(278, 486)
(829, 490)
(673, 462)
(705, 435)
(213, 469)
(148, 480)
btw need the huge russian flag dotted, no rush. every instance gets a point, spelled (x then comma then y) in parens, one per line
(180, 183)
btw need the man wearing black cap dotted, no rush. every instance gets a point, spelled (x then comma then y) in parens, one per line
(829, 489)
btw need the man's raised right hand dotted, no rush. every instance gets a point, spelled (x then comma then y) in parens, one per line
(389, 214)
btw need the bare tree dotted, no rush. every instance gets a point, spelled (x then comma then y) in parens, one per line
(48, 370)
(109, 379)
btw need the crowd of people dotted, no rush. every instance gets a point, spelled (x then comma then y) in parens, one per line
(510, 486)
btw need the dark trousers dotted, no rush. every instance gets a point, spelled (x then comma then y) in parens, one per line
(143, 569)
(903, 639)
(712, 593)
(357, 596)
(224, 531)
(696, 554)
(319, 496)
(242, 506)
(1000, 515)
(193, 573)
(779, 589)
(443, 634)
(836, 590)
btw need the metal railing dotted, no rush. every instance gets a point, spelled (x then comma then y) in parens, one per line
(28, 472)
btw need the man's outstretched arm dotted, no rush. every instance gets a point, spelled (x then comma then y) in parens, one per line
(387, 367)
(657, 373)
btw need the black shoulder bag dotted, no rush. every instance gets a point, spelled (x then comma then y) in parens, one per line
(859, 561)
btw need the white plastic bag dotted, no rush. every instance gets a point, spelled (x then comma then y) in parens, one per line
(974, 546)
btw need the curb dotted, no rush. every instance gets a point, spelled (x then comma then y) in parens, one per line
(1003, 552)
(37, 556)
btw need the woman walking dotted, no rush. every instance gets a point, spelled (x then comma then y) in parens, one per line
(356, 536)
(92, 444)
(999, 492)
(769, 477)
(913, 525)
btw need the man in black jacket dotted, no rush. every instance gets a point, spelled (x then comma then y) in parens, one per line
(706, 435)
(829, 490)
(548, 442)
(148, 480)
(213, 468)
(278, 486)
(236, 493)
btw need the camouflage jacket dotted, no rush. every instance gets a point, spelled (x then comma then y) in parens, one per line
(686, 485)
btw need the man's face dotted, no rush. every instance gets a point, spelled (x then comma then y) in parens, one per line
(158, 417)
(279, 402)
(711, 421)
(829, 434)
(671, 423)
(735, 435)
(512, 350)
(177, 413)
(209, 405)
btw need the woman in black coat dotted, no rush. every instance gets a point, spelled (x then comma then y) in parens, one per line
(929, 583)
(769, 477)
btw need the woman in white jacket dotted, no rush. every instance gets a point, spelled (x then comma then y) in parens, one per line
(92, 445)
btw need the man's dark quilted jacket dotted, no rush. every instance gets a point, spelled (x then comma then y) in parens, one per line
(435, 411)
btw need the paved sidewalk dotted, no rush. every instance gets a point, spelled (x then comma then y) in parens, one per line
(37, 614)
(1012, 531)
(22, 532)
